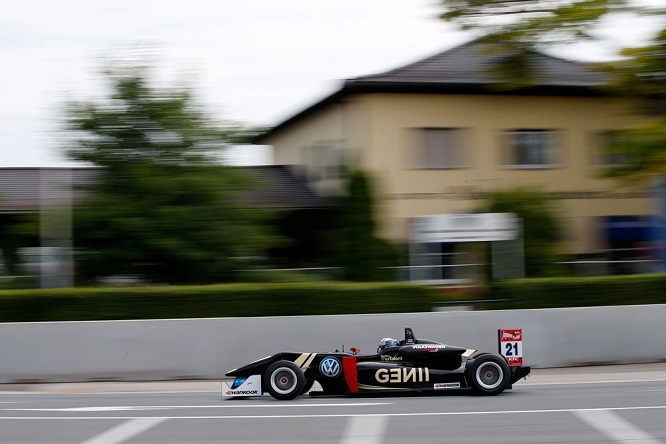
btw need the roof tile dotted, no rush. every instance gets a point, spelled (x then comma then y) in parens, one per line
(26, 189)
(473, 62)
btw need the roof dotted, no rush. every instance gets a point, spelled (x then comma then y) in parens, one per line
(24, 190)
(465, 69)
(280, 187)
(473, 63)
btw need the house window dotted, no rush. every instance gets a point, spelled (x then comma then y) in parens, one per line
(327, 160)
(610, 150)
(531, 148)
(439, 148)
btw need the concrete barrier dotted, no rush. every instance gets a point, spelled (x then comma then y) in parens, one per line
(207, 348)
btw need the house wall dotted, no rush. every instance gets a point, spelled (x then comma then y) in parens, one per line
(379, 130)
(323, 140)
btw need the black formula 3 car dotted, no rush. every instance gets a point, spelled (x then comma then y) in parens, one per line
(410, 365)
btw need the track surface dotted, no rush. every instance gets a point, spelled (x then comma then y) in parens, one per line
(601, 409)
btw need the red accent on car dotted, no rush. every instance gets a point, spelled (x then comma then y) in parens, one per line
(349, 367)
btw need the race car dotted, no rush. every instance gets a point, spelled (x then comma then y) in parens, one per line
(408, 365)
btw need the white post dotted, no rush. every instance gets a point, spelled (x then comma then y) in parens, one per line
(55, 222)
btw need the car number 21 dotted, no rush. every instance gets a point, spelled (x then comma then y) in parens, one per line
(511, 349)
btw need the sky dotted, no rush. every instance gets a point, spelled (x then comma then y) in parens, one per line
(253, 61)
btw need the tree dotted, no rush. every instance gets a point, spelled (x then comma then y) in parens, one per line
(364, 256)
(519, 27)
(541, 226)
(161, 207)
(530, 23)
(641, 74)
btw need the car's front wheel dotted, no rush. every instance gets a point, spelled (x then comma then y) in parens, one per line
(284, 380)
(488, 374)
(307, 386)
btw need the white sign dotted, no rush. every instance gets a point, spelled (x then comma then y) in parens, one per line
(511, 346)
(481, 227)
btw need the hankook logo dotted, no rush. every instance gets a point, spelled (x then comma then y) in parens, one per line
(242, 392)
(446, 385)
(330, 367)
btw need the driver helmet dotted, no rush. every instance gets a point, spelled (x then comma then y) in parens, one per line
(387, 342)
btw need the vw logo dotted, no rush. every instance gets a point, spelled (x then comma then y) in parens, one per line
(329, 367)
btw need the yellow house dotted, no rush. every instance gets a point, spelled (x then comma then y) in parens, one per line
(438, 133)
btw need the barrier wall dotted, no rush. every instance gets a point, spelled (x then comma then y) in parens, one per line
(207, 348)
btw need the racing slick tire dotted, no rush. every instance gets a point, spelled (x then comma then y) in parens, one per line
(284, 380)
(488, 375)
(308, 386)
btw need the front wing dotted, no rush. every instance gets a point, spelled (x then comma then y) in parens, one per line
(241, 386)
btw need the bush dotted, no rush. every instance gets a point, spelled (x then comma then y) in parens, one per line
(227, 300)
(578, 292)
(541, 226)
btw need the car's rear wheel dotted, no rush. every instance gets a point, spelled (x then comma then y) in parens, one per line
(488, 374)
(284, 380)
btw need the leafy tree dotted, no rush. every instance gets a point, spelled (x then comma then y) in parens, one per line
(161, 207)
(541, 226)
(641, 74)
(519, 27)
(530, 23)
(364, 256)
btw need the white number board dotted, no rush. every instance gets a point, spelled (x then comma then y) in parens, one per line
(511, 346)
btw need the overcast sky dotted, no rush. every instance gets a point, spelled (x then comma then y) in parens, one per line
(254, 61)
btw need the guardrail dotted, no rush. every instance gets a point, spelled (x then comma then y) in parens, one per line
(207, 348)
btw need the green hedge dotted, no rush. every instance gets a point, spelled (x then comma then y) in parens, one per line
(577, 292)
(226, 300)
(317, 298)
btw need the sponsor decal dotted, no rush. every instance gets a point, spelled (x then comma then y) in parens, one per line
(330, 367)
(242, 392)
(250, 386)
(512, 335)
(402, 375)
(428, 347)
(391, 358)
(446, 385)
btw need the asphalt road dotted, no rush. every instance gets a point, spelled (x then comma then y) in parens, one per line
(623, 404)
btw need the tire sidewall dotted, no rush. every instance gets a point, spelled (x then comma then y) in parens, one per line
(291, 369)
(307, 386)
(491, 362)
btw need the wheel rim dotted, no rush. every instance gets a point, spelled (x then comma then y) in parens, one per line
(283, 380)
(489, 375)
